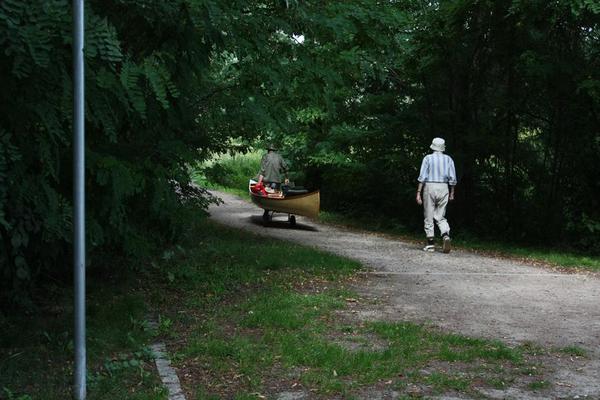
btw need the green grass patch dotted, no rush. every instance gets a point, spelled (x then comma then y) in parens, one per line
(574, 351)
(280, 329)
(202, 394)
(328, 366)
(218, 260)
(247, 312)
(497, 383)
(36, 351)
(444, 382)
(291, 312)
(228, 172)
(269, 313)
(539, 385)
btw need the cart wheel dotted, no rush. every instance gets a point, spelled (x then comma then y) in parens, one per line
(266, 217)
(292, 220)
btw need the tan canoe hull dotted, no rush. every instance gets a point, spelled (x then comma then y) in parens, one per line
(307, 204)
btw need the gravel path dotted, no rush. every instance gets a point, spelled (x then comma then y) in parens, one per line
(460, 292)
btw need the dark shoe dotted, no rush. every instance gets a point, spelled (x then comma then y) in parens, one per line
(447, 246)
(430, 245)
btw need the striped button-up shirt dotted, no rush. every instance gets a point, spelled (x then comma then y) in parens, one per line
(438, 167)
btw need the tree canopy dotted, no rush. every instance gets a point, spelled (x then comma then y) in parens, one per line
(354, 91)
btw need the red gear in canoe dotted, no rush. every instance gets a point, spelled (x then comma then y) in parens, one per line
(259, 188)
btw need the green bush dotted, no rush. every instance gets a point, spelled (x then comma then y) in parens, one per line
(233, 171)
(141, 131)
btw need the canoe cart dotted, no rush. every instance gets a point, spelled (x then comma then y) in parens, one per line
(294, 202)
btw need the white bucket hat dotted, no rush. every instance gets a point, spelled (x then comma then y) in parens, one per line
(438, 144)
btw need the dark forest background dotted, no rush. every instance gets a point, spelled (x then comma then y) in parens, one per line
(352, 90)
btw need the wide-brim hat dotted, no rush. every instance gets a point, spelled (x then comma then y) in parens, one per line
(438, 144)
(271, 146)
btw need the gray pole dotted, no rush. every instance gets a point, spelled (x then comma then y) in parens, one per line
(79, 199)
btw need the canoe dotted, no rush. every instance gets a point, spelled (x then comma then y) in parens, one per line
(306, 204)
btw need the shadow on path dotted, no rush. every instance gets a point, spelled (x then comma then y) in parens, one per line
(281, 224)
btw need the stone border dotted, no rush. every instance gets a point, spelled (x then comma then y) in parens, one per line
(168, 376)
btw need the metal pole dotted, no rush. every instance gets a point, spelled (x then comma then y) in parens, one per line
(79, 199)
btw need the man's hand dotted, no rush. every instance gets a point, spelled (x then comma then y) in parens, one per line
(419, 200)
(451, 195)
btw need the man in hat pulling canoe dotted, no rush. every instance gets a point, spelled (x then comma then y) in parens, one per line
(272, 166)
(437, 180)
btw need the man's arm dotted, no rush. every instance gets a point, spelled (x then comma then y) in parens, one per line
(419, 188)
(452, 179)
(421, 179)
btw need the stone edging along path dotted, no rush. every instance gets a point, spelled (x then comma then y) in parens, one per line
(167, 374)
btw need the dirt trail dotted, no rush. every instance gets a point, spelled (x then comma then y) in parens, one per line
(461, 292)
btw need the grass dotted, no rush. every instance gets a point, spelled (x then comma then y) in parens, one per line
(36, 351)
(574, 351)
(539, 385)
(280, 334)
(245, 316)
(243, 325)
(215, 263)
(443, 382)
(228, 173)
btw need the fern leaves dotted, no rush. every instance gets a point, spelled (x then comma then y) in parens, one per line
(102, 41)
(157, 78)
(130, 76)
(160, 80)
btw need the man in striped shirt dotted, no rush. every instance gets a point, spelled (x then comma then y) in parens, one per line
(437, 180)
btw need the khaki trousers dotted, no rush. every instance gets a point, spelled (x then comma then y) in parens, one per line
(435, 200)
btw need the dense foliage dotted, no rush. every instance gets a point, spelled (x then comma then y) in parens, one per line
(513, 87)
(354, 91)
(145, 77)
